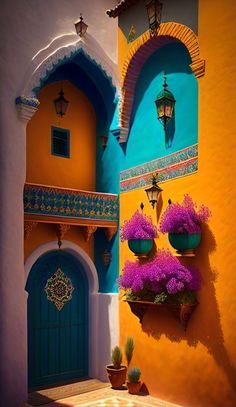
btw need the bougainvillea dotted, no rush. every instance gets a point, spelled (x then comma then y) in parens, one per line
(185, 217)
(139, 226)
(163, 275)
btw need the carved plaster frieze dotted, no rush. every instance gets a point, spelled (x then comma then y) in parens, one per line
(26, 107)
(88, 231)
(61, 231)
(58, 56)
(110, 232)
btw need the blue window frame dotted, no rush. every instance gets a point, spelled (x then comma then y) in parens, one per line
(60, 142)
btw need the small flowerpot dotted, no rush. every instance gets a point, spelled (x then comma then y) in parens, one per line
(134, 388)
(140, 247)
(184, 243)
(117, 377)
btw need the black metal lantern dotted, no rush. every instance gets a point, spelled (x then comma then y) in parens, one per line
(154, 10)
(61, 104)
(81, 27)
(165, 103)
(154, 191)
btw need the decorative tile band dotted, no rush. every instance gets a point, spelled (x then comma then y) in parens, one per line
(179, 164)
(51, 201)
(23, 100)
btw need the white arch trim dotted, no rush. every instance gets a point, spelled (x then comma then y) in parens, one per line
(103, 308)
(76, 251)
(63, 48)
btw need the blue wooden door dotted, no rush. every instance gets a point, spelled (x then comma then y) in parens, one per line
(57, 320)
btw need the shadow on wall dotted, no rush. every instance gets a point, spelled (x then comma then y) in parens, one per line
(182, 131)
(206, 325)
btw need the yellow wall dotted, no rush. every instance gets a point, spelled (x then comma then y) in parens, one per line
(44, 168)
(198, 368)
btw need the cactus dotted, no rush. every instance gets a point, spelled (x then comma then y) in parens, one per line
(116, 357)
(129, 348)
(134, 375)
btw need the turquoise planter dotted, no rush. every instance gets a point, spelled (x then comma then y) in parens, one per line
(184, 242)
(141, 247)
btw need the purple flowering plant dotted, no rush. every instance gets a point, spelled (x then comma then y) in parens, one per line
(185, 217)
(139, 226)
(163, 279)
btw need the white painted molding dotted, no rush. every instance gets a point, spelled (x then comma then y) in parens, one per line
(103, 308)
(25, 112)
(76, 251)
(61, 49)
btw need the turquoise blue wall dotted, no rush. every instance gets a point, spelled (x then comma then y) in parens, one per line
(146, 140)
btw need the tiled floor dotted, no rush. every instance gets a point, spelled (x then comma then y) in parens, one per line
(110, 398)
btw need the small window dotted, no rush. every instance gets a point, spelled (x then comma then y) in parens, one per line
(60, 142)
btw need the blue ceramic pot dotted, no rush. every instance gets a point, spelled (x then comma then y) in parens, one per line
(140, 247)
(184, 242)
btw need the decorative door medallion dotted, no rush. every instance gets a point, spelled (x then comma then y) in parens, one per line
(59, 289)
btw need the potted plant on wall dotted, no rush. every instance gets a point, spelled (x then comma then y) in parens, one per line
(140, 232)
(161, 281)
(182, 222)
(133, 383)
(117, 372)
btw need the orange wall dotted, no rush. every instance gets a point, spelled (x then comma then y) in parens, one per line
(45, 233)
(43, 168)
(76, 172)
(198, 368)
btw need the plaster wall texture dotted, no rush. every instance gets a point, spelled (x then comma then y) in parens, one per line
(26, 28)
(197, 368)
(183, 11)
(77, 171)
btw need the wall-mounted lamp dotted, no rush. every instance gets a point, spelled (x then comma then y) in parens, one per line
(80, 26)
(154, 10)
(154, 191)
(165, 103)
(61, 104)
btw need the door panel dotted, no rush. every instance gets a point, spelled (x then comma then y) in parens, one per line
(57, 340)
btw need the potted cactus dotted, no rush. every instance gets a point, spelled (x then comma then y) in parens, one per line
(117, 372)
(133, 383)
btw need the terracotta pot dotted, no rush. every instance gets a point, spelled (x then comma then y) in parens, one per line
(117, 377)
(134, 388)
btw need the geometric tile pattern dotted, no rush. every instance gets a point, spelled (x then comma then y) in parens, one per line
(183, 162)
(61, 202)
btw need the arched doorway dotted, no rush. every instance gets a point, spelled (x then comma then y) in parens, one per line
(57, 320)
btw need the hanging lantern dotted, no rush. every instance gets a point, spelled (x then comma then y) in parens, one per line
(154, 9)
(81, 27)
(165, 103)
(61, 104)
(154, 191)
